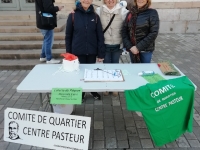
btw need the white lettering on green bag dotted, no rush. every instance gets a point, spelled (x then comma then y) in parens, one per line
(162, 90)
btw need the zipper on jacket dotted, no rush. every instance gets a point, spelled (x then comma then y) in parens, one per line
(86, 28)
(86, 44)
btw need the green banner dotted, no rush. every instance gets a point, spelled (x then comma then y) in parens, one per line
(66, 96)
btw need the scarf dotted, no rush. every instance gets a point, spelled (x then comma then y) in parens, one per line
(132, 21)
(132, 26)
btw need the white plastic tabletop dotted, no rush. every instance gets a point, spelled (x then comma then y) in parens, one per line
(43, 77)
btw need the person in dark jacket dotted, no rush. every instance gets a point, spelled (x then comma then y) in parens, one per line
(46, 6)
(140, 30)
(84, 36)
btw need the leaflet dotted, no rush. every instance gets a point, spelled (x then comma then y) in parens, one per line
(103, 75)
(47, 15)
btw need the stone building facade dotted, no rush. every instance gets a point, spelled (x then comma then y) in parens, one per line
(176, 16)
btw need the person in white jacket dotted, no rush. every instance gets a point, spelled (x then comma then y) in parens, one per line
(116, 11)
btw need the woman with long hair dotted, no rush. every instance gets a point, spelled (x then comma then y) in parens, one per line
(140, 30)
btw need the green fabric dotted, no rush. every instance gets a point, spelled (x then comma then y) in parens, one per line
(167, 108)
(153, 78)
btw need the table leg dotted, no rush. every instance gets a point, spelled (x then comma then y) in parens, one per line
(41, 100)
(51, 107)
(48, 97)
(49, 101)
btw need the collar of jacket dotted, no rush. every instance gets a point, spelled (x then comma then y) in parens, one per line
(90, 9)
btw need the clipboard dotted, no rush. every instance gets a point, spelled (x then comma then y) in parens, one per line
(100, 75)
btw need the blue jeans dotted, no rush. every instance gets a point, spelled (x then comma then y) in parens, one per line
(112, 54)
(47, 44)
(145, 57)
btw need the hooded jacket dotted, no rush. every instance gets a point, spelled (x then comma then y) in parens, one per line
(113, 34)
(48, 7)
(84, 35)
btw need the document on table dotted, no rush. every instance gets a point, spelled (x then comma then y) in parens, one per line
(153, 78)
(103, 75)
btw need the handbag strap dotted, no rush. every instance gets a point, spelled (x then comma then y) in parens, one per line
(109, 23)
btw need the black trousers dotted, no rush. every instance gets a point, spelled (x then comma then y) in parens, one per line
(87, 59)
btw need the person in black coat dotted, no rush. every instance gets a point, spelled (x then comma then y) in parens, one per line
(84, 36)
(140, 30)
(46, 6)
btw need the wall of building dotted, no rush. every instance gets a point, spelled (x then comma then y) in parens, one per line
(176, 16)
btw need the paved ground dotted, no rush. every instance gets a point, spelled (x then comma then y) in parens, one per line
(113, 127)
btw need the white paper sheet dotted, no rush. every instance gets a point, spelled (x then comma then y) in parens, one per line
(103, 75)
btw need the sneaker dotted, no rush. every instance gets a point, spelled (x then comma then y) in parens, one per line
(53, 61)
(43, 59)
(115, 94)
(95, 95)
(83, 97)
